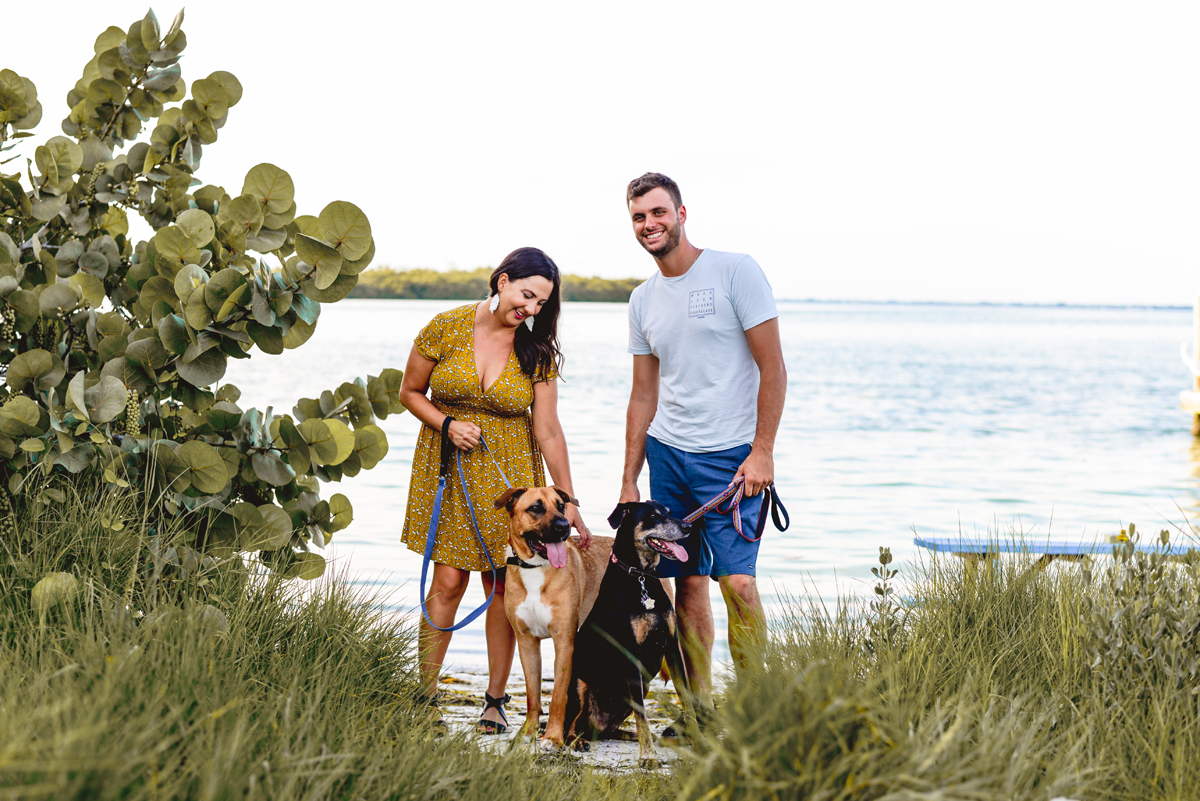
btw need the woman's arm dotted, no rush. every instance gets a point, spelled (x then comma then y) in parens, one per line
(548, 431)
(413, 387)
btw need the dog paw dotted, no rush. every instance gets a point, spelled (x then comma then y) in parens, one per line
(547, 746)
(649, 763)
(581, 745)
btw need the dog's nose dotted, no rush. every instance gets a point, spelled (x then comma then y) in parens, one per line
(686, 528)
(561, 526)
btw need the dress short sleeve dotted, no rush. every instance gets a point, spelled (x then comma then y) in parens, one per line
(549, 374)
(431, 342)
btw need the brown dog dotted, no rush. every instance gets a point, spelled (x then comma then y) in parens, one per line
(550, 588)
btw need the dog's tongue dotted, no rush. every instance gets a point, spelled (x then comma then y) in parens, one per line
(676, 550)
(556, 552)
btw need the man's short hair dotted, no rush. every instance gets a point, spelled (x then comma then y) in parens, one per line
(653, 180)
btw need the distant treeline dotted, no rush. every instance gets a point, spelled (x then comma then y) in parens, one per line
(425, 284)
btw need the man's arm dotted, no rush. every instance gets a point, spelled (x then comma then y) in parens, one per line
(759, 467)
(643, 402)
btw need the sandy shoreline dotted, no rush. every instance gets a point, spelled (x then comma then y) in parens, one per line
(461, 696)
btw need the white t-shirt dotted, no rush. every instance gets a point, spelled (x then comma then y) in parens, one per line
(695, 324)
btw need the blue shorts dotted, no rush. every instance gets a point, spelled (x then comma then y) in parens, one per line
(683, 482)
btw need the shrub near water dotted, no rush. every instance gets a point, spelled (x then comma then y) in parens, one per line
(112, 349)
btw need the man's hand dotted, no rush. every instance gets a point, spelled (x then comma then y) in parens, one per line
(629, 494)
(759, 471)
(585, 536)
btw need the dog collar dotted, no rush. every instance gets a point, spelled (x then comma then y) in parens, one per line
(515, 561)
(647, 601)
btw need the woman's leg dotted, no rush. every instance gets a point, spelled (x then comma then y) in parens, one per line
(501, 642)
(445, 592)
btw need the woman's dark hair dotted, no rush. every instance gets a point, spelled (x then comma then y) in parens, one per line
(537, 350)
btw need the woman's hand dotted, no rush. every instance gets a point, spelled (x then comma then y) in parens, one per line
(464, 435)
(585, 536)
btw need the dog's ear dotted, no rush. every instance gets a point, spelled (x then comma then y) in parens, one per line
(566, 496)
(618, 514)
(509, 497)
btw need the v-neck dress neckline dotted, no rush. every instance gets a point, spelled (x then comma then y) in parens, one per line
(502, 412)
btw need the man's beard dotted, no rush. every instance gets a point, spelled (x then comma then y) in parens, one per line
(672, 236)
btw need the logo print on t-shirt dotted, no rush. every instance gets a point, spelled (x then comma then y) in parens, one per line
(702, 303)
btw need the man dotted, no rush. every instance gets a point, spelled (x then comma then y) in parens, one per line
(708, 390)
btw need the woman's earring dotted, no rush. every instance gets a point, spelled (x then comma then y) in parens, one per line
(529, 323)
(494, 303)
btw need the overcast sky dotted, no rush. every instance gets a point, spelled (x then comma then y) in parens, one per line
(1006, 151)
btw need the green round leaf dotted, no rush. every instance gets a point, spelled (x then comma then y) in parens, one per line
(206, 369)
(325, 261)
(271, 469)
(271, 187)
(221, 287)
(231, 85)
(40, 367)
(371, 445)
(169, 469)
(322, 446)
(105, 400)
(206, 468)
(148, 352)
(274, 533)
(197, 225)
(346, 227)
(173, 332)
(246, 214)
(57, 298)
(23, 417)
(356, 266)
(298, 334)
(211, 97)
(188, 280)
(196, 311)
(344, 437)
(268, 337)
(53, 589)
(89, 287)
(306, 566)
(174, 243)
(341, 513)
(339, 289)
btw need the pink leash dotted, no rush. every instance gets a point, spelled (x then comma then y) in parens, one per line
(731, 497)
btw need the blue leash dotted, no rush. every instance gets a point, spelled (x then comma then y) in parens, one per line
(447, 447)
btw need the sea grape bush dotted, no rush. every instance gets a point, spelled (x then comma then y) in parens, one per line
(113, 350)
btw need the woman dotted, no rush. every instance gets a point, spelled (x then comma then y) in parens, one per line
(492, 367)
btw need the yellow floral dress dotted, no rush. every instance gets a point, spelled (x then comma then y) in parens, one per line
(502, 412)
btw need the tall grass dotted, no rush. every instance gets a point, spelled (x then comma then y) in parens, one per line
(232, 685)
(171, 676)
(988, 686)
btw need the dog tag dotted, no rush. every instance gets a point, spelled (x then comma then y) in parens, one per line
(648, 602)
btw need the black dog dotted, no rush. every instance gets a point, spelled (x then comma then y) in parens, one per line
(629, 632)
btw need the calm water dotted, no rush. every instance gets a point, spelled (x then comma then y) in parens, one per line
(899, 418)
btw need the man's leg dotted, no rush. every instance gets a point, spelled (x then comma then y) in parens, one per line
(734, 559)
(668, 486)
(696, 632)
(747, 622)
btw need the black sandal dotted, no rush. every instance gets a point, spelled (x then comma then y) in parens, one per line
(491, 726)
